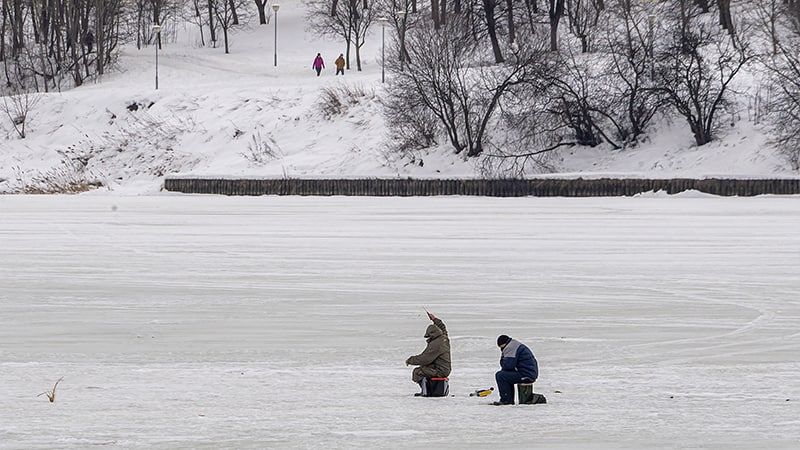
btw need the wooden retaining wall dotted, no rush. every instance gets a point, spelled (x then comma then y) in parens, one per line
(602, 187)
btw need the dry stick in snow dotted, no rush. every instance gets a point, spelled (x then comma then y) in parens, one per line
(51, 395)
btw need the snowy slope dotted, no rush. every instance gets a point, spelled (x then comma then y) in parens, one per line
(212, 108)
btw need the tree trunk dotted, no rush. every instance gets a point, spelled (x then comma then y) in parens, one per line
(199, 22)
(139, 20)
(211, 23)
(234, 14)
(3, 33)
(17, 33)
(701, 137)
(443, 15)
(556, 11)
(100, 12)
(262, 14)
(512, 36)
(530, 8)
(347, 54)
(685, 45)
(725, 18)
(404, 57)
(491, 22)
(435, 14)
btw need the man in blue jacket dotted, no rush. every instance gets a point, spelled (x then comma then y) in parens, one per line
(516, 363)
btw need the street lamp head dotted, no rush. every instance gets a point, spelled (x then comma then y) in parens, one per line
(276, 7)
(157, 29)
(383, 20)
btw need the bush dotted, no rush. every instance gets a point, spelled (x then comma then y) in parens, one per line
(261, 150)
(67, 178)
(337, 100)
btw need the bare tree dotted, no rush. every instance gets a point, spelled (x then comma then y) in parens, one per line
(194, 14)
(695, 72)
(463, 98)
(576, 96)
(583, 17)
(227, 17)
(338, 23)
(44, 43)
(18, 108)
(769, 13)
(402, 19)
(360, 23)
(350, 21)
(784, 69)
(631, 65)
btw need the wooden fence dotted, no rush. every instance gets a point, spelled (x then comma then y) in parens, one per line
(542, 187)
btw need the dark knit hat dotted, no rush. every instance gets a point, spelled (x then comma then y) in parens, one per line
(503, 340)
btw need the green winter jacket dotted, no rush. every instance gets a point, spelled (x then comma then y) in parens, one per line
(437, 354)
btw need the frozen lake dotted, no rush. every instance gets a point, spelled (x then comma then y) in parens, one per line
(211, 322)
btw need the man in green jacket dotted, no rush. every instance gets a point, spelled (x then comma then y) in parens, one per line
(434, 361)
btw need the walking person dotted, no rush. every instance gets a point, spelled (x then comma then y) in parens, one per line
(318, 64)
(517, 364)
(340, 63)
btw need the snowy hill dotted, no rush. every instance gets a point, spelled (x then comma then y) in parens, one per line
(237, 115)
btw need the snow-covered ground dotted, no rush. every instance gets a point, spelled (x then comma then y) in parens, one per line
(212, 108)
(213, 322)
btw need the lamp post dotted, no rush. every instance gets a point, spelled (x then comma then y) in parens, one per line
(157, 31)
(276, 7)
(383, 21)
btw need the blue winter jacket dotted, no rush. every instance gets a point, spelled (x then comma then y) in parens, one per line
(518, 357)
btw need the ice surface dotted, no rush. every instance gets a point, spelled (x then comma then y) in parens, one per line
(208, 322)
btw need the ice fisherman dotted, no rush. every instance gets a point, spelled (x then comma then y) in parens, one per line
(517, 364)
(340, 62)
(434, 361)
(318, 64)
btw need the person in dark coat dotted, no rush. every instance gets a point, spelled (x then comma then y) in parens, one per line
(88, 40)
(434, 361)
(517, 363)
